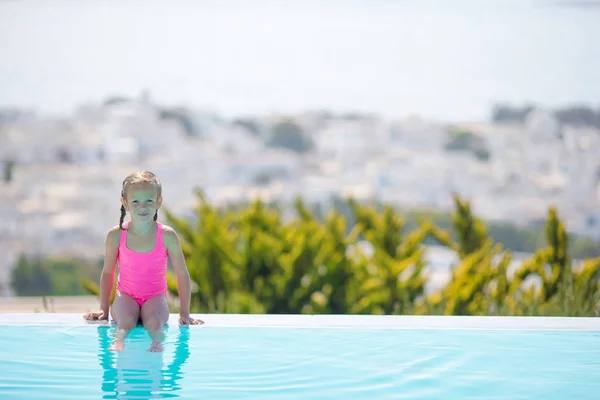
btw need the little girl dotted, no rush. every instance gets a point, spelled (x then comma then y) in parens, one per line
(141, 247)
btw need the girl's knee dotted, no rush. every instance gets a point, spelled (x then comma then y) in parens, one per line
(127, 322)
(153, 322)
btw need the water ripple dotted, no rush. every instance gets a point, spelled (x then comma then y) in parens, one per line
(260, 363)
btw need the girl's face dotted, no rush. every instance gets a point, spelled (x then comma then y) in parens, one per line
(142, 201)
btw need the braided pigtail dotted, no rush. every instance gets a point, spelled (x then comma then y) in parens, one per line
(122, 217)
(156, 215)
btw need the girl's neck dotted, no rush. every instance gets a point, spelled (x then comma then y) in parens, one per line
(141, 229)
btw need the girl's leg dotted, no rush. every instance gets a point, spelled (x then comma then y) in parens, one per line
(155, 314)
(126, 312)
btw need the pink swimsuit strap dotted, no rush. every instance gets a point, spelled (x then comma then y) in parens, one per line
(142, 275)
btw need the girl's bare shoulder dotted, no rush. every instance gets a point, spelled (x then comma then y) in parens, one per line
(113, 234)
(168, 232)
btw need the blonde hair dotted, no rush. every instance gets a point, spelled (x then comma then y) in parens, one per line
(136, 178)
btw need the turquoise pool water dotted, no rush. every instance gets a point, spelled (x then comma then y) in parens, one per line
(71, 361)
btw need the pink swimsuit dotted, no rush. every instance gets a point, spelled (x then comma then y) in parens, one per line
(142, 275)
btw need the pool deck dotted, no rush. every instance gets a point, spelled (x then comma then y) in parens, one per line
(52, 304)
(335, 321)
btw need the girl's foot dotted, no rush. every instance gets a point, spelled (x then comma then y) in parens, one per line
(117, 345)
(156, 347)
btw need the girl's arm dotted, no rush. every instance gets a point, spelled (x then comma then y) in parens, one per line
(184, 283)
(108, 270)
(108, 274)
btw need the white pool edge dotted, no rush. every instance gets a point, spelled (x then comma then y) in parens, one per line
(334, 321)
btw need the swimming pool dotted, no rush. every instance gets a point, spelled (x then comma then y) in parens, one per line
(59, 356)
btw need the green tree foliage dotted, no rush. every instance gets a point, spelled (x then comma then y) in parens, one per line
(470, 232)
(518, 239)
(563, 289)
(181, 116)
(479, 282)
(61, 276)
(469, 142)
(288, 135)
(392, 279)
(482, 285)
(365, 260)
(8, 170)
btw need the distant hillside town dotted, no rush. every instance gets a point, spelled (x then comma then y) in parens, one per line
(61, 177)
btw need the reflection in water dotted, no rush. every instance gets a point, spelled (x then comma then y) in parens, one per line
(136, 373)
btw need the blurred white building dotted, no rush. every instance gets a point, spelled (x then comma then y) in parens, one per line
(347, 139)
(49, 141)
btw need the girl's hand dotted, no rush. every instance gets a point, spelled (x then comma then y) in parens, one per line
(187, 320)
(96, 316)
